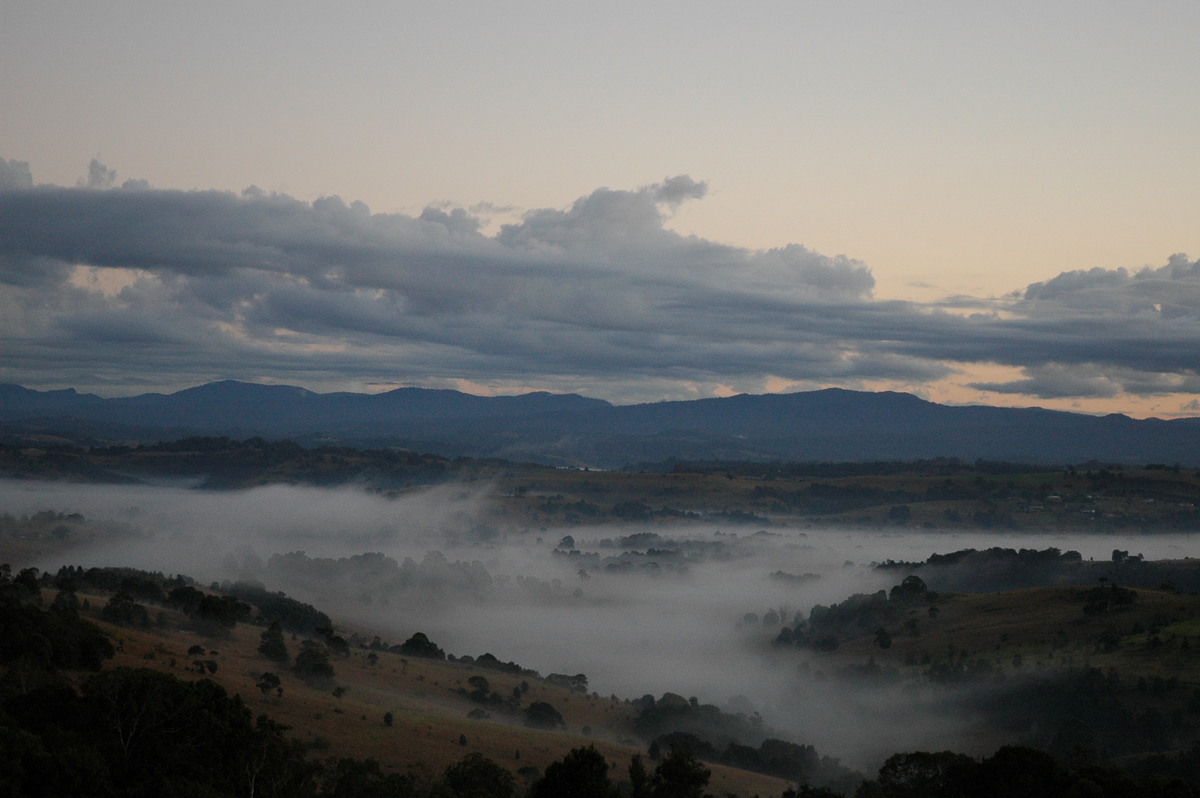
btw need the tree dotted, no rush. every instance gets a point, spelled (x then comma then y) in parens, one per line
(882, 638)
(312, 663)
(540, 715)
(27, 580)
(268, 682)
(122, 609)
(582, 773)
(272, 645)
(639, 778)
(921, 774)
(419, 645)
(163, 736)
(679, 775)
(214, 616)
(49, 639)
(363, 778)
(476, 776)
(1019, 771)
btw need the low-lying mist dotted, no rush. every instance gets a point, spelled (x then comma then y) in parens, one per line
(637, 609)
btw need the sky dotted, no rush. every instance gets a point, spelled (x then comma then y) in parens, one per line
(976, 203)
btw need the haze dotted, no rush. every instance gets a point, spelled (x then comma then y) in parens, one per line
(486, 588)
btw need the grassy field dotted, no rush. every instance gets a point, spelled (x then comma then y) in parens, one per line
(1042, 628)
(430, 728)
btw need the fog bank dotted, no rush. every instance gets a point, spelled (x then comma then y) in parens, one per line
(637, 609)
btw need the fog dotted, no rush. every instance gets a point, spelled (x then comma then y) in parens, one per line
(633, 620)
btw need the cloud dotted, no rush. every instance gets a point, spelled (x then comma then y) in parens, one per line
(1169, 291)
(674, 191)
(1055, 381)
(599, 296)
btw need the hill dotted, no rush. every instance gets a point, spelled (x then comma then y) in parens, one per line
(567, 429)
(412, 709)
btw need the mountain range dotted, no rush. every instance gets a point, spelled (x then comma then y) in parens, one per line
(567, 429)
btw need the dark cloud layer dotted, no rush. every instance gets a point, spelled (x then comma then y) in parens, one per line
(103, 285)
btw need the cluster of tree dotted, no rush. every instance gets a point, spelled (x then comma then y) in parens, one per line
(278, 607)
(122, 610)
(652, 553)
(1021, 772)
(491, 662)
(861, 612)
(419, 645)
(822, 498)
(584, 773)
(312, 663)
(272, 645)
(373, 577)
(542, 715)
(577, 682)
(786, 760)
(229, 463)
(152, 586)
(36, 641)
(937, 466)
(997, 569)
(538, 715)
(42, 524)
(633, 510)
(211, 612)
(1093, 716)
(674, 713)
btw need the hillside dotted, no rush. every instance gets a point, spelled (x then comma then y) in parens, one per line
(1062, 669)
(427, 700)
(1093, 674)
(416, 715)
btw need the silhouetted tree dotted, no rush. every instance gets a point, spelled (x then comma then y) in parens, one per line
(363, 778)
(476, 776)
(923, 775)
(639, 778)
(679, 775)
(312, 662)
(122, 609)
(268, 682)
(271, 644)
(420, 646)
(540, 715)
(582, 773)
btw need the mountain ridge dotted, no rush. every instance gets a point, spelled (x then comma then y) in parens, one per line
(570, 429)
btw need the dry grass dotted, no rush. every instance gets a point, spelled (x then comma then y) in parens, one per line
(1043, 627)
(429, 711)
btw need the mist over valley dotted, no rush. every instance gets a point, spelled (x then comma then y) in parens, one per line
(682, 606)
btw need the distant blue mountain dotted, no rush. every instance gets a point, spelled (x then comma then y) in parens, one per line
(831, 424)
